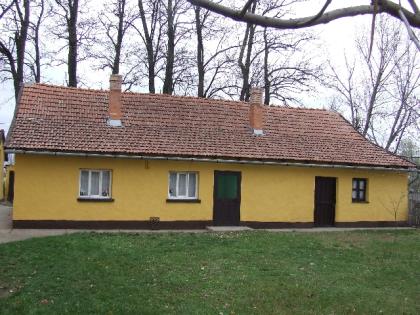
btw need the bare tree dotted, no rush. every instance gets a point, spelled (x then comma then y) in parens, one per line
(393, 206)
(287, 67)
(74, 26)
(34, 57)
(245, 54)
(164, 25)
(406, 82)
(115, 19)
(13, 42)
(272, 59)
(213, 59)
(151, 35)
(379, 69)
(177, 28)
(69, 11)
(379, 88)
(344, 86)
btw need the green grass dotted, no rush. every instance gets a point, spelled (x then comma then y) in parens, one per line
(365, 272)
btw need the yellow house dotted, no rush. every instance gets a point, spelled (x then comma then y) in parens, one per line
(107, 159)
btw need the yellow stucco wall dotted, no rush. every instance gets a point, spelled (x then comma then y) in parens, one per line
(46, 188)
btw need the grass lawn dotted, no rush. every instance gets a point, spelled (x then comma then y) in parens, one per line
(364, 272)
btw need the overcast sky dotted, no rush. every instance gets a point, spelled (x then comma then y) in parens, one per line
(336, 37)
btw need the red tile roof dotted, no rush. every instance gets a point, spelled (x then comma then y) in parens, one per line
(52, 118)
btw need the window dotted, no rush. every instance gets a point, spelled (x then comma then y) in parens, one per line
(359, 190)
(182, 185)
(95, 184)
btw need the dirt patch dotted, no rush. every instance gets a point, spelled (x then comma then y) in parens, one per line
(354, 239)
(5, 292)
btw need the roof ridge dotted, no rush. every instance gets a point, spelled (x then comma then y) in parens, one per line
(191, 97)
(31, 85)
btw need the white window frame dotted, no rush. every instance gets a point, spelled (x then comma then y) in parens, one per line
(178, 173)
(90, 171)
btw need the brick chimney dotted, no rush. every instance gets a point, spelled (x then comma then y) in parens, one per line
(256, 111)
(114, 109)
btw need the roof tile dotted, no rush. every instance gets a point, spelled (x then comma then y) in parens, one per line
(74, 120)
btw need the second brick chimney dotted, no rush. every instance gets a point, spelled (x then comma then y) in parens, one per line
(114, 106)
(256, 111)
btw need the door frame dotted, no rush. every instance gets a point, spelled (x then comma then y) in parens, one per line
(335, 201)
(239, 178)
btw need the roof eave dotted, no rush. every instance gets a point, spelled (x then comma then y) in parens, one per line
(216, 160)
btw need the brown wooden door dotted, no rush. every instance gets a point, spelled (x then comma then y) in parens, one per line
(226, 198)
(325, 193)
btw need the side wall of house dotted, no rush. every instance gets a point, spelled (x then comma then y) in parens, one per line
(46, 188)
(2, 186)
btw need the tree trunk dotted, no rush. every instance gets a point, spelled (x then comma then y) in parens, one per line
(20, 39)
(372, 101)
(200, 53)
(37, 66)
(120, 35)
(246, 66)
(266, 74)
(73, 42)
(149, 45)
(170, 53)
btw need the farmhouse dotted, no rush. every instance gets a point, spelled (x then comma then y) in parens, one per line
(112, 159)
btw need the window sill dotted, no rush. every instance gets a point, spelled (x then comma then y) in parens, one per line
(356, 201)
(95, 199)
(183, 200)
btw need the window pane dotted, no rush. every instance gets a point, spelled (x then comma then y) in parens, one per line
(172, 184)
(182, 184)
(354, 195)
(94, 183)
(191, 185)
(362, 184)
(84, 183)
(105, 183)
(361, 195)
(354, 184)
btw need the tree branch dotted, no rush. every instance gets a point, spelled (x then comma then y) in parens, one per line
(319, 14)
(384, 6)
(411, 34)
(246, 7)
(414, 6)
(6, 8)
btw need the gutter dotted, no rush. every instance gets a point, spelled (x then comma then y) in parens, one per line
(192, 159)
